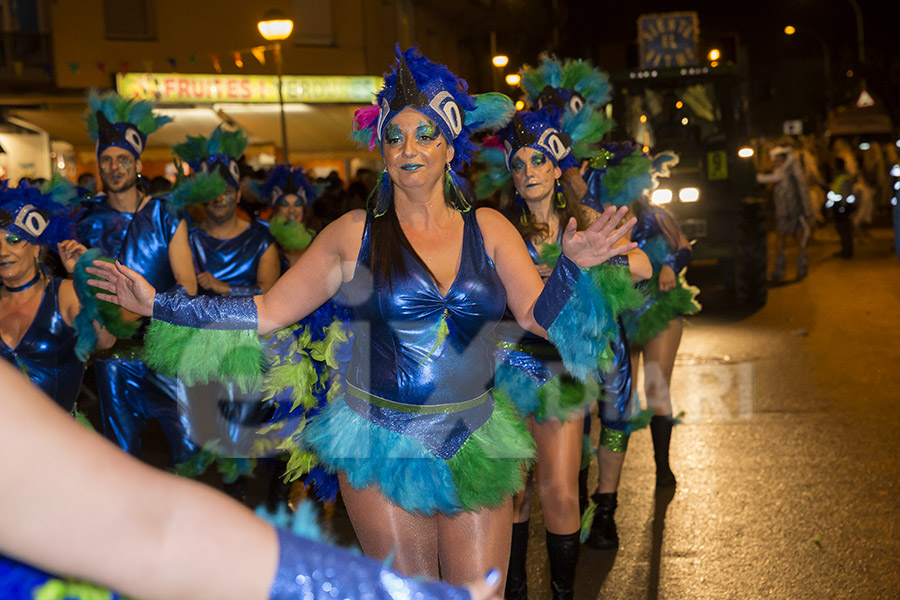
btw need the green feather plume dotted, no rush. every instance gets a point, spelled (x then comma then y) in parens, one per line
(192, 150)
(223, 141)
(290, 235)
(563, 397)
(587, 519)
(494, 174)
(681, 300)
(195, 189)
(324, 350)
(123, 110)
(109, 315)
(202, 355)
(61, 190)
(58, 589)
(616, 177)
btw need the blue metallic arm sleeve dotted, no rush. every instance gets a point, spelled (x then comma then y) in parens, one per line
(619, 260)
(678, 260)
(557, 291)
(206, 312)
(317, 571)
(244, 290)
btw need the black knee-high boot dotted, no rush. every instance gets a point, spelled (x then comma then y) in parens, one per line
(604, 535)
(563, 553)
(516, 577)
(661, 432)
(582, 490)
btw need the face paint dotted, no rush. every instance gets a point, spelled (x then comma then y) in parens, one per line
(393, 135)
(427, 131)
(13, 239)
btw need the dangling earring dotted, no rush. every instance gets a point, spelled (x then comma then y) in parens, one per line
(559, 198)
(452, 191)
(523, 213)
(379, 199)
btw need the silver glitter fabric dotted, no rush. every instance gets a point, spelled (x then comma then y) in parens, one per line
(309, 570)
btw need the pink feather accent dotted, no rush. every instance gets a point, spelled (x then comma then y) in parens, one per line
(365, 118)
(492, 141)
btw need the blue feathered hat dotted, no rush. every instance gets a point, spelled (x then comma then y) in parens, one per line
(565, 85)
(433, 90)
(628, 173)
(32, 215)
(284, 180)
(114, 121)
(218, 154)
(536, 130)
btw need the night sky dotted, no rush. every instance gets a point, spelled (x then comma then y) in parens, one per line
(778, 64)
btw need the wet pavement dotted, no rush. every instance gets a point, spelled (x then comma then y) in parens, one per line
(788, 460)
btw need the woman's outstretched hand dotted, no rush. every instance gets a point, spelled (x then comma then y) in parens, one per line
(597, 243)
(126, 287)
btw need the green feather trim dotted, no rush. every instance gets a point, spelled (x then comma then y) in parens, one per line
(196, 189)
(61, 190)
(681, 300)
(290, 235)
(323, 351)
(616, 178)
(82, 420)
(202, 355)
(197, 464)
(563, 397)
(639, 421)
(494, 175)
(192, 150)
(440, 333)
(106, 313)
(587, 451)
(58, 589)
(491, 464)
(587, 519)
(292, 370)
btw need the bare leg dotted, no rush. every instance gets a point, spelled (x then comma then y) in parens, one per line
(610, 469)
(659, 360)
(472, 543)
(384, 528)
(559, 459)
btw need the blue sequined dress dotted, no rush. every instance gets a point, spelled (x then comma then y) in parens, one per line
(46, 353)
(418, 418)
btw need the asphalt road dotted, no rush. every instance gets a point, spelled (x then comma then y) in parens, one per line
(788, 460)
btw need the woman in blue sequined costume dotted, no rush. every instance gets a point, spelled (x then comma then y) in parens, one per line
(146, 533)
(38, 311)
(428, 456)
(291, 196)
(654, 330)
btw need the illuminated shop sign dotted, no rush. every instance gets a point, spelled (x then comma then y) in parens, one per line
(668, 39)
(176, 88)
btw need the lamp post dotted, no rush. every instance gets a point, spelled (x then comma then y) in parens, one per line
(275, 27)
(826, 61)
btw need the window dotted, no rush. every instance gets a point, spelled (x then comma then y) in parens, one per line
(129, 19)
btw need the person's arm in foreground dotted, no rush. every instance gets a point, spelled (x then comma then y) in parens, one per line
(75, 505)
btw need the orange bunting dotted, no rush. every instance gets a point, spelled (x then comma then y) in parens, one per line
(238, 60)
(215, 61)
(259, 53)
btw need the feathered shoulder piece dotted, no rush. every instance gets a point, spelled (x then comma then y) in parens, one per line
(123, 110)
(284, 180)
(569, 84)
(627, 172)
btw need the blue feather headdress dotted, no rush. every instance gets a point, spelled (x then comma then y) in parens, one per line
(568, 85)
(536, 130)
(219, 153)
(284, 180)
(114, 121)
(437, 93)
(33, 215)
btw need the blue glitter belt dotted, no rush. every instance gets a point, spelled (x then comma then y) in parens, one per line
(442, 428)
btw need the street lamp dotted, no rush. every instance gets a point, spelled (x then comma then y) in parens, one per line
(275, 26)
(513, 79)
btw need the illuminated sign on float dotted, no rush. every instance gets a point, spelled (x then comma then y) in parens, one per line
(668, 39)
(177, 88)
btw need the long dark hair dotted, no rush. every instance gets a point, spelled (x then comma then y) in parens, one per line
(526, 223)
(388, 239)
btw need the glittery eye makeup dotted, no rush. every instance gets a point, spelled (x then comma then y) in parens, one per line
(13, 239)
(393, 134)
(538, 158)
(518, 164)
(427, 131)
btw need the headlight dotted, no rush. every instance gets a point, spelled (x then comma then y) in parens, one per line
(745, 152)
(689, 194)
(895, 171)
(661, 196)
